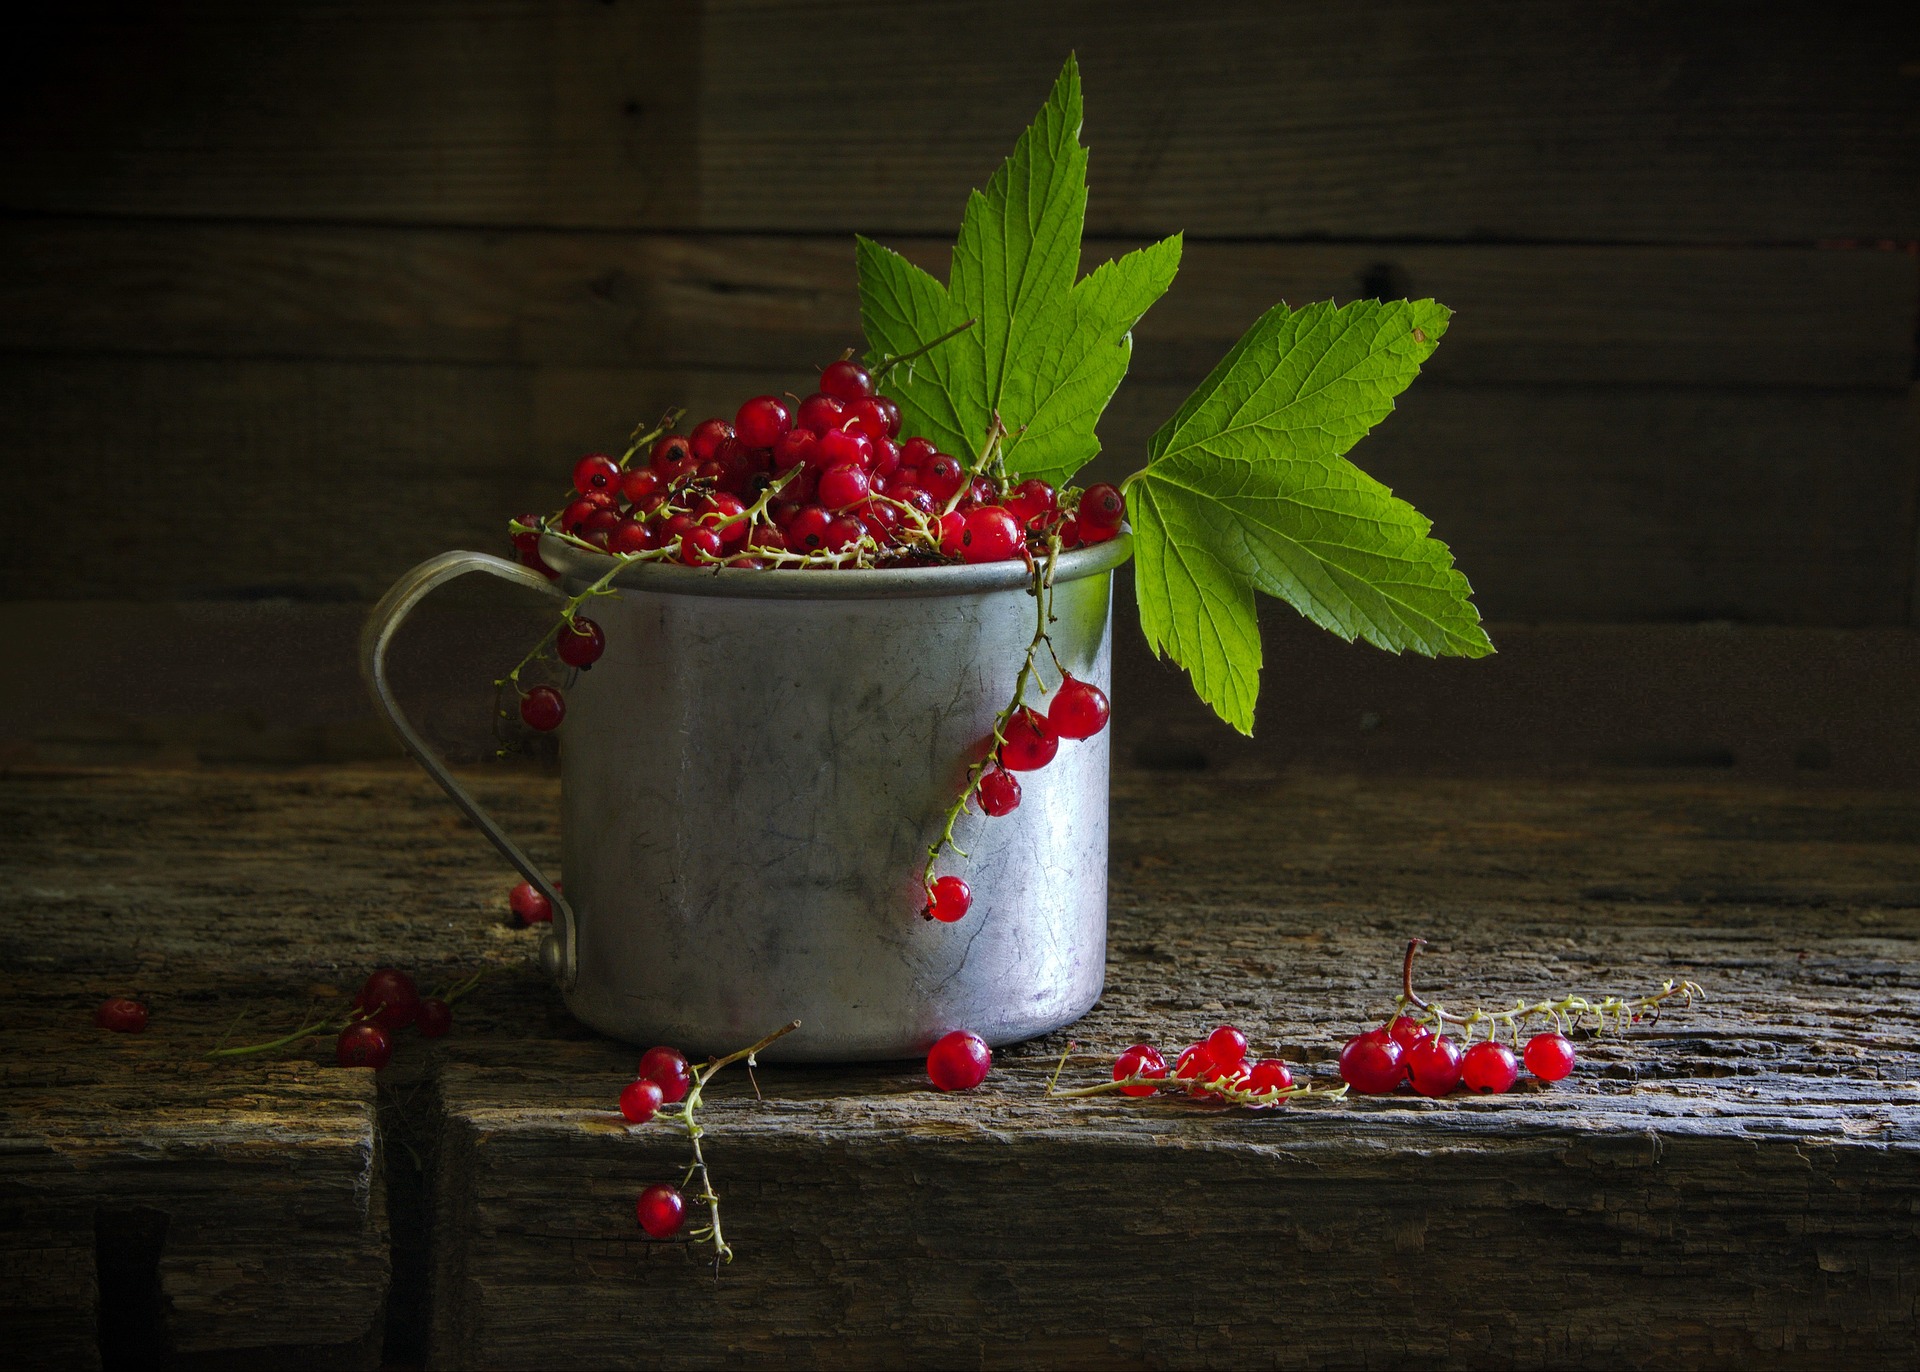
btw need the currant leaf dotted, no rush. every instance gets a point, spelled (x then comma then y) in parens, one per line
(1045, 351)
(1247, 489)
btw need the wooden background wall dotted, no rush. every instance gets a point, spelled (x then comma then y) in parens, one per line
(293, 296)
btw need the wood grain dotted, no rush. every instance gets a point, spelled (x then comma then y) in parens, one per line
(1733, 1186)
(1652, 315)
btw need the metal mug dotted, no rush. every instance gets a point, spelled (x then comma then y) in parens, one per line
(751, 775)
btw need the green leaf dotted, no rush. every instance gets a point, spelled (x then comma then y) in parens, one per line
(1247, 488)
(1046, 351)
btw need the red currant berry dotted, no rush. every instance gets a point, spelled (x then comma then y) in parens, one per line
(1489, 1068)
(640, 1099)
(364, 1044)
(1549, 1056)
(1195, 1064)
(667, 1068)
(706, 438)
(793, 449)
(948, 899)
(1070, 532)
(580, 641)
(1433, 1065)
(121, 1015)
(839, 446)
(841, 534)
(953, 527)
(638, 483)
(886, 456)
(768, 538)
(528, 905)
(1139, 1061)
(846, 380)
(958, 1061)
(919, 499)
(389, 997)
(1102, 507)
(877, 418)
(672, 456)
(435, 1018)
(543, 708)
(821, 413)
(843, 485)
(915, 451)
(1370, 1063)
(981, 491)
(991, 535)
(942, 477)
(660, 1210)
(1227, 1046)
(808, 532)
(1033, 503)
(1269, 1074)
(699, 546)
(725, 515)
(998, 791)
(1079, 709)
(574, 518)
(596, 472)
(630, 537)
(1031, 742)
(1406, 1032)
(761, 421)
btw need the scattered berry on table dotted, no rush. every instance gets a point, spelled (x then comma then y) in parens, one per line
(948, 899)
(364, 1044)
(959, 1061)
(1489, 1068)
(1141, 1060)
(528, 906)
(1227, 1046)
(121, 1015)
(1549, 1056)
(641, 1099)
(389, 997)
(1269, 1074)
(660, 1210)
(1371, 1063)
(666, 1068)
(434, 1019)
(1433, 1065)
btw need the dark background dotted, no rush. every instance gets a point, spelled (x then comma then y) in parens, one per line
(292, 297)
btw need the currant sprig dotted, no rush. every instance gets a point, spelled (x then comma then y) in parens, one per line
(388, 1002)
(1238, 1084)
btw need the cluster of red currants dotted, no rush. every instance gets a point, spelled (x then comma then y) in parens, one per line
(1406, 1051)
(827, 482)
(663, 1078)
(1213, 1067)
(388, 1002)
(1027, 742)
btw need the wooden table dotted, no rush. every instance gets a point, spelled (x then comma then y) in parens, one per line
(1738, 1184)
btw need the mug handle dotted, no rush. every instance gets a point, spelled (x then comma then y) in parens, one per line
(558, 950)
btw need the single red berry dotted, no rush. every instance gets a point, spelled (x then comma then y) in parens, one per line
(543, 708)
(1433, 1065)
(1070, 532)
(942, 477)
(1139, 1061)
(528, 905)
(660, 1210)
(840, 534)
(793, 449)
(768, 538)
(434, 1019)
(846, 380)
(667, 1068)
(637, 483)
(1370, 1063)
(726, 515)
(672, 456)
(953, 527)
(1227, 1046)
(706, 438)
(1489, 1068)
(915, 451)
(574, 518)
(839, 447)
(121, 1015)
(998, 791)
(958, 1061)
(629, 537)
(948, 899)
(981, 491)
(389, 997)
(1269, 1074)
(1195, 1064)
(596, 472)
(640, 1099)
(580, 641)
(820, 413)
(1033, 502)
(1406, 1032)
(1549, 1056)
(1102, 507)
(886, 456)
(919, 499)
(1031, 742)
(364, 1044)
(991, 535)
(808, 532)
(1079, 709)
(761, 421)
(700, 546)
(843, 485)
(875, 416)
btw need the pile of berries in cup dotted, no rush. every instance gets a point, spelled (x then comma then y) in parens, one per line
(823, 482)
(1406, 1051)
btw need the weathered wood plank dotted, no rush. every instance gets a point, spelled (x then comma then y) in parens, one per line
(1660, 121)
(502, 112)
(1768, 506)
(1737, 1185)
(1667, 316)
(1652, 122)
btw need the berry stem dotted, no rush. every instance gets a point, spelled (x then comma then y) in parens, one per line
(1569, 1011)
(887, 364)
(643, 440)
